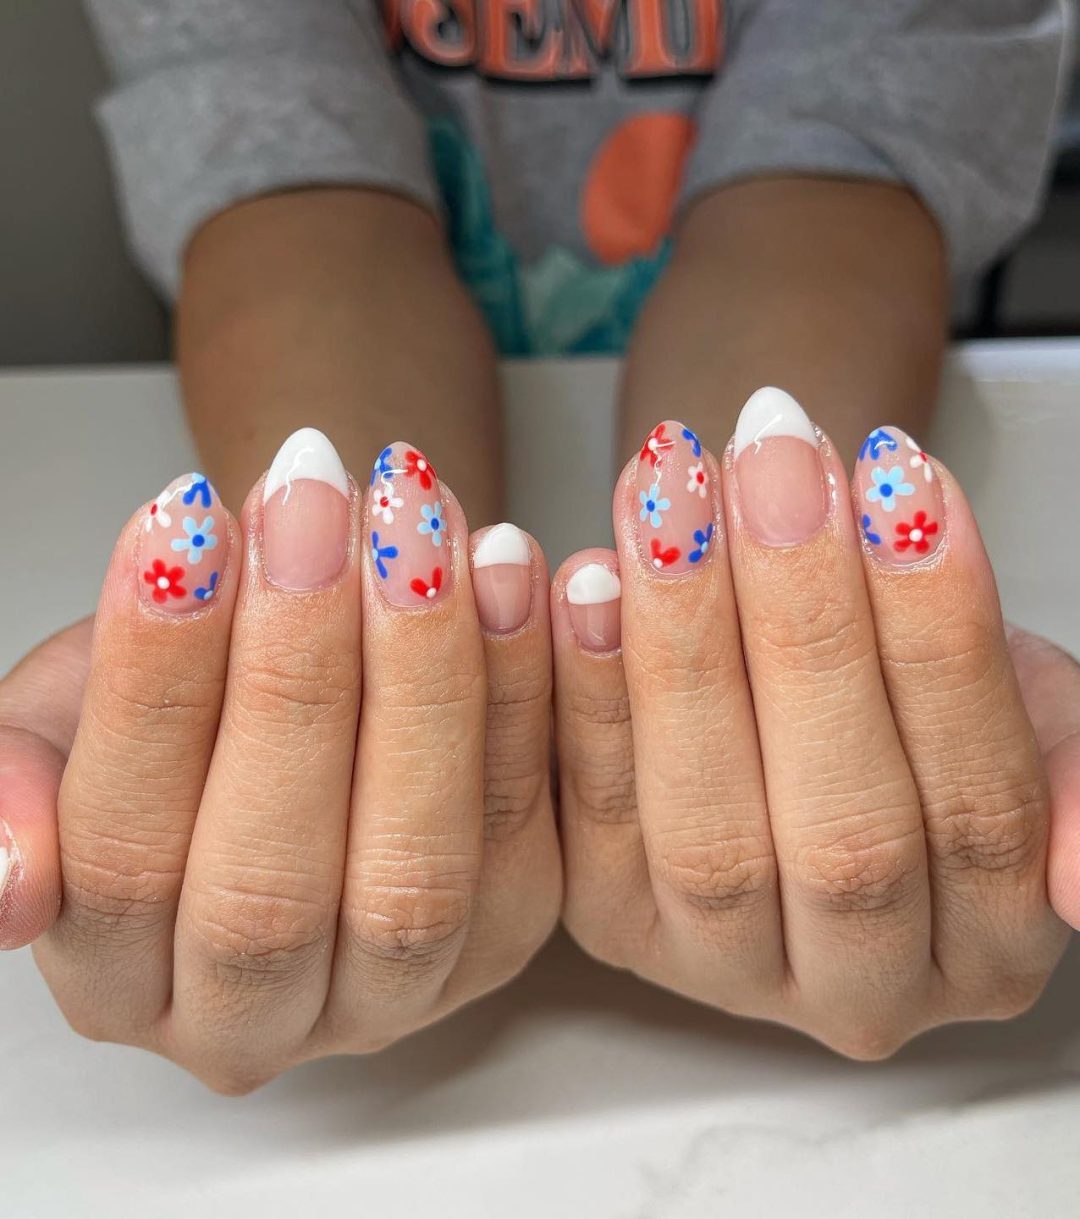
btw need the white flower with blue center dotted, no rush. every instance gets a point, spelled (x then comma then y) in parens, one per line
(888, 485)
(652, 506)
(199, 538)
(432, 523)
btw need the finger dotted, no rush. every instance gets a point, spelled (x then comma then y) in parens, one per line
(958, 709)
(256, 925)
(701, 793)
(1050, 684)
(416, 834)
(39, 710)
(843, 806)
(608, 905)
(520, 888)
(132, 786)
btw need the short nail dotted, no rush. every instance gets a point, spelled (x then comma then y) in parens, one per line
(183, 546)
(6, 861)
(502, 578)
(778, 470)
(593, 594)
(407, 527)
(674, 501)
(898, 498)
(305, 525)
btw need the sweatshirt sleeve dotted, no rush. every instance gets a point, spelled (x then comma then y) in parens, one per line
(955, 98)
(216, 101)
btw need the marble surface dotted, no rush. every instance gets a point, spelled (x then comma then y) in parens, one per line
(576, 1091)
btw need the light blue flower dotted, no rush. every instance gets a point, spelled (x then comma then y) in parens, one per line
(381, 553)
(199, 538)
(887, 486)
(204, 594)
(703, 537)
(652, 505)
(432, 523)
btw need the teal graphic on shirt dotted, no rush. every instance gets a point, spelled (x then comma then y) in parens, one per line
(557, 305)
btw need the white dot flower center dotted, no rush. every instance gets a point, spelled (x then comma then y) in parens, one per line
(916, 535)
(162, 582)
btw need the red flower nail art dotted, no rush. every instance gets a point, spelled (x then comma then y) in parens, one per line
(656, 443)
(423, 589)
(166, 581)
(418, 466)
(662, 557)
(917, 534)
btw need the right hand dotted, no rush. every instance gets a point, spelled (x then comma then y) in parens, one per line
(258, 856)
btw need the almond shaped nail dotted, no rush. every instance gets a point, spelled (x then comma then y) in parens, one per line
(674, 505)
(183, 546)
(898, 497)
(593, 595)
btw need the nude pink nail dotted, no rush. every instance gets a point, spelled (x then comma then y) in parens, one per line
(674, 502)
(407, 527)
(778, 470)
(183, 547)
(305, 529)
(899, 498)
(594, 601)
(502, 578)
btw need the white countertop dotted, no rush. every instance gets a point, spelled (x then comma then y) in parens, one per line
(577, 1091)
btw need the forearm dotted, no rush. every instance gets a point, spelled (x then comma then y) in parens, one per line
(835, 291)
(337, 309)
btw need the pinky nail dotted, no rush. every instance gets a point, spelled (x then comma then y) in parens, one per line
(594, 599)
(183, 546)
(898, 499)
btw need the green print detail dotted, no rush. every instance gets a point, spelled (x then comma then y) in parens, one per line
(558, 305)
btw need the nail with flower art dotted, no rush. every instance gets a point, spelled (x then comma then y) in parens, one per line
(900, 505)
(674, 504)
(172, 544)
(407, 528)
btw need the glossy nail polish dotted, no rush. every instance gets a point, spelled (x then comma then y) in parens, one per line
(898, 498)
(305, 528)
(7, 862)
(778, 470)
(183, 547)
(502, 578)
(407, 528)
(594, 600)
(674, 504)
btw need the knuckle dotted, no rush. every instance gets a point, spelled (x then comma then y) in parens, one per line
(148, 701)
(411, 925)
(435, 696)
(510, 804)
(298, 686)
(1001, 833)
(860, 873)
(718, 877)
(585, 709)
(604, 792)
(822, 635)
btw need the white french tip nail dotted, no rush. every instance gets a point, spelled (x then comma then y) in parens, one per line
(769, 413)
(306, 454)
(503, 543)
(593, 584)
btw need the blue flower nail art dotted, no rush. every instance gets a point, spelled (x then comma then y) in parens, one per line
(204, 594)
(873, 538)
(199, 489)
(652, 506)
(703, 537)
(875, 442)
(695, 444)
(887, 486)
(382, 467)
(380, 553)
(199, 538)
(432, 523)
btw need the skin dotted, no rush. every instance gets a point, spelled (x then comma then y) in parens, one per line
(291, 303)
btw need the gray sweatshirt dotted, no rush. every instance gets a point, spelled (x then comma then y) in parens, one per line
(560, 139)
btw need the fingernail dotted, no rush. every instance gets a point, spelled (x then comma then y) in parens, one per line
(502, 578)
(899, 498)
(778, 470)
(183, 547)
(305, 513)
(674, 501)
(6, 861)
(407, 529)
(593, 595)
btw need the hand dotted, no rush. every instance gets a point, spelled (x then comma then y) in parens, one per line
(266, 857)
(806, 789)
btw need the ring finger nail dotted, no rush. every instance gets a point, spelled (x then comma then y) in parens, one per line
(407, 527)
(778, 470)
(502, 578)
(183, 546)
(674, 503)
(593, 595)
(305, 513)
(899, 498)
